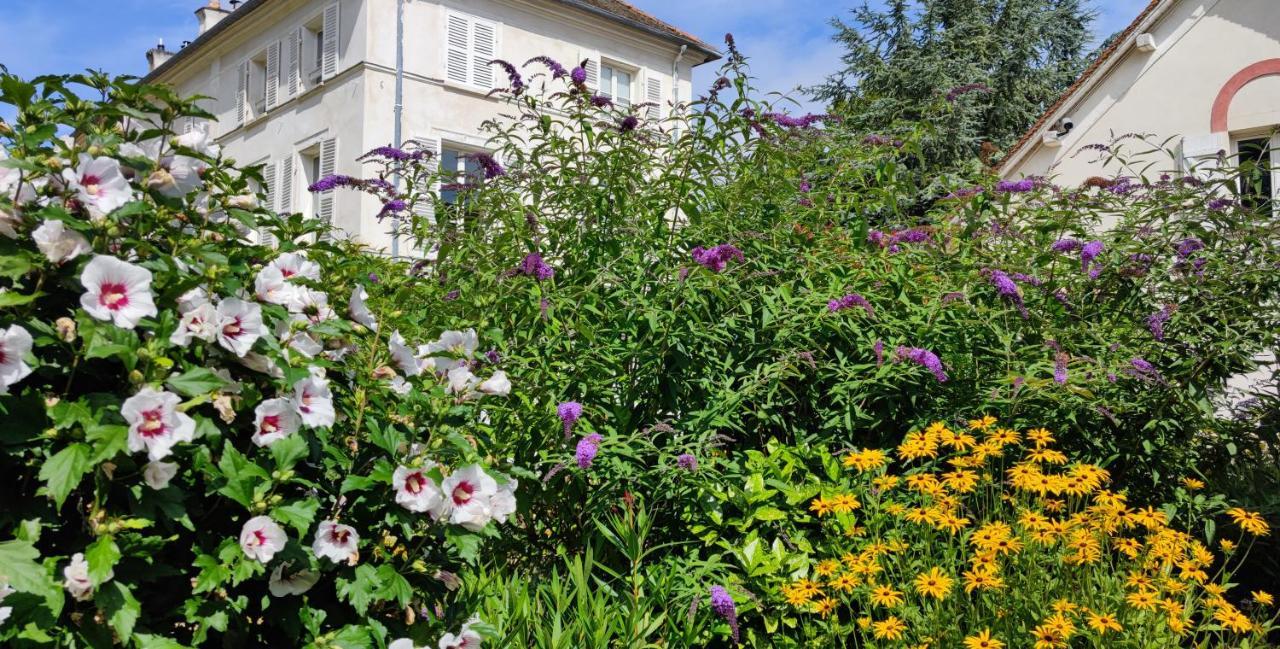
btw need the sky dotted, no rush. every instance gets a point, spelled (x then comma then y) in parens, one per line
(787, 41)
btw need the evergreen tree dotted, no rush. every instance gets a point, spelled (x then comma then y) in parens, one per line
(998, 63)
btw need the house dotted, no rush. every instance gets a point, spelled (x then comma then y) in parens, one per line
(304, 87)
(1205, 74)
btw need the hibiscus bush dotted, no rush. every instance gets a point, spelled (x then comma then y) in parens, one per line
(211, 440)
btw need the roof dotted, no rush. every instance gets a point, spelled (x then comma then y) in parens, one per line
(1100, 65)
(615, 10)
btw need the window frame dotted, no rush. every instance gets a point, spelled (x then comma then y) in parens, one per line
(1272, 136)
(614, 68)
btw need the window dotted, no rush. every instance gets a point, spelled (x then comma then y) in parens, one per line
(470, 44)
(615, 83)
(258, 79)
(313, 50)
(310, 159)
(458, 166)
(1258, 158)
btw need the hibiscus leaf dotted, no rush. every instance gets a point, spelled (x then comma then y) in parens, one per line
(352, 637)
(62, 472)
(212, 573)
(289, 450)
(108, 441)
(121, 607)
(394, 585)
(361, 591)
(148, 641)
(297, 515)
(241, 475)
(10, 298)
(194, 382)
(18, 563)
(102, 556)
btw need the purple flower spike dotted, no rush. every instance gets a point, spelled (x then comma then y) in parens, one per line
(1088, 254)
(715, 259)
(533, 266)
(849, 301)
(1060, 368)
(878, 348)
(687, 462)
(722, 604)
(578, 76)
(1016, 186)
(569, 413)
(1155, 322)
(333, 182)
(1007, 288)
(923, 358)
(587, 449)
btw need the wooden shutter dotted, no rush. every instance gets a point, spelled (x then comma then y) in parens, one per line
(293, 77)
(285, 182)
(330, 46)
(265, 237)
(242, 93)
(653, 95)
(458, 48)
(484, 48)
(328, 163)
(592, 68)
(273, 75)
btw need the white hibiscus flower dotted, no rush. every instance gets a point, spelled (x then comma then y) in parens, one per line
(496, 385)
(451, 350)
(261, 538)
(466, 638)
(415, 490)
(198, 322)
(76, 578)
(15, 342)
(239, 325)
(468, 498)
(337, 542)
(403, 356)
(296, 583)
(117, 290)
(158, 474)
(60, 243)
(296, 264)
(274, 419)
(155, 425)
(314, 400)
(359, 311)
(99, 185)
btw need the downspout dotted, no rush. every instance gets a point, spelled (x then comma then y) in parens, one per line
(675, 77)
(399, 108)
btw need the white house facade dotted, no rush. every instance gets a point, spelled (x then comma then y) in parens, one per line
(1204, 74)
(305, 86)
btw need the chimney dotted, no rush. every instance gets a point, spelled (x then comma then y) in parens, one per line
(157, 55)
(210, 15)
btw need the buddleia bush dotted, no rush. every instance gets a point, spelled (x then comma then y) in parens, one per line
(208, 440)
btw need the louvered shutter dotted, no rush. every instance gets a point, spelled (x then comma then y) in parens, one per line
(242, 93)
(188, 125)
(424, 210)
(591, 64)
(653, 95)
(269, 181)
(1200, 153)
(330, 46)
(458, 46)
(286, 185)
(293, 77)
(328, 162)
(484, 43)
(273, 75)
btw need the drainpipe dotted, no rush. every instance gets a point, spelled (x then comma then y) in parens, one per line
(675, 77)
(399, 109)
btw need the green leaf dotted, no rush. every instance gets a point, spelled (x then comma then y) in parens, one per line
(148, 641)
(361, 591)
(62, 472)
(394, 585)
(108, 441)
(102, 556)
(195, 382)
(289, 450)
(212, 574)
(121, 607)
(11, 298)
(769, 514)
(297, 515)
(241, 475)
(20, 568)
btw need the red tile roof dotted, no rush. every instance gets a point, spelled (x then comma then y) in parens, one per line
(617, 9)
(1097, 65)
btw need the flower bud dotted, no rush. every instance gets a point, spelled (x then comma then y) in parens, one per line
(135, 377)
(54, 162)
(95, 150)
(5, 129)
(161, 180)
(66, 328)
(384, 373)
(243, 201)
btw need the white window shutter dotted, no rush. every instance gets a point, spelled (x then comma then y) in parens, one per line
(269, 181)
(273, 75)
(457, 48)
(484, 44)
(424, 210)
(242, 93)
(1200, 153)
(653, 95)
(293, 78)
(328, 163)
(330, 46)
(286, 185)
(188, 125)
(590, 61)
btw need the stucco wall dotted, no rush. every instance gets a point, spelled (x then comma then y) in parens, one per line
(1170, 92)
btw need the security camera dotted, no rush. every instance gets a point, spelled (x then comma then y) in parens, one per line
(1064, 126)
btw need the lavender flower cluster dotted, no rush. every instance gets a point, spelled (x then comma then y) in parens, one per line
(715, 259)
(848, 302)
(923, 358)
(533, 266)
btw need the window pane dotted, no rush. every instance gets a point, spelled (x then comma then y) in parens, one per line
(606, 81)
(1255, 172)
(624, 88)
(449, 159)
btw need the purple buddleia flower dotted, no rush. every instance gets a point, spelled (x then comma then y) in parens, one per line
(1221, 204)
(1188, 246)
(923, 358)
(1016, 186)
(1007, 288)
(1060, 367)
(588, 447)
(1156, 321)
(1027, 279)
(628, 123)
(393, 206)
(493, 357)
(805, 187)
(684, 273)
(452, 295)
(948, 298)
(849, 301)
(687, 462)
(805, 202)
(392, 153)
(965, 192)
(333, 182)
(374, 279)
(722, 604)
(876, 237)
(579, 75)
(514, 82)
(557, 70)
(1066, 245)
(533, 266)
(544, 307)
(878, 349)
(601, 101)
(1088, 255)
(715, 259)
(569, 413)
(488, 164)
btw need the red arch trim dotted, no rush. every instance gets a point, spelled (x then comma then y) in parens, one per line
(1265, 68)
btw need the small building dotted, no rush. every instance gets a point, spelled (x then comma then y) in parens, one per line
(1202, 74)
(303, 87)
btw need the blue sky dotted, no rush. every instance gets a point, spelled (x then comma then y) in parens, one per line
(788, 41)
